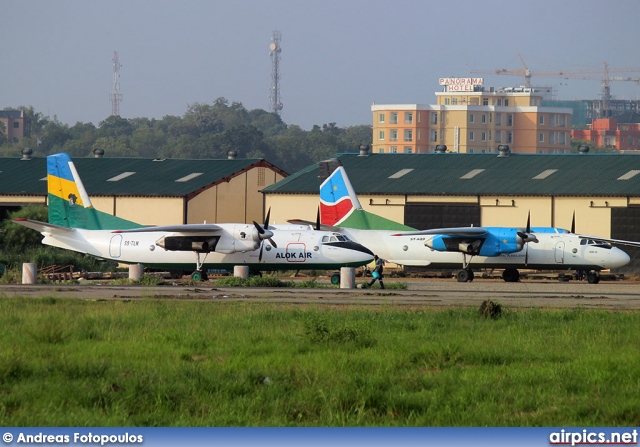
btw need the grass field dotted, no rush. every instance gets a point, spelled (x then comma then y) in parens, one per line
(172, 363)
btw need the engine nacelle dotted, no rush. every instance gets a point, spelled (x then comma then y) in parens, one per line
(498, 241)
(501, 241)
(204, 244)
(240, 238)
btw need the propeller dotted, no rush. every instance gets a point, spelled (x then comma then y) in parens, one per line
(526, 237)
(318, 220)
(264, 233)
(573, 223)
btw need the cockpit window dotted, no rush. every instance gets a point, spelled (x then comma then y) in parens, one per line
(596, 243)
(335, 237)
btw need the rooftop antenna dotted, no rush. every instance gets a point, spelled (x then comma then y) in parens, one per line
(274, 52)
(115, 97)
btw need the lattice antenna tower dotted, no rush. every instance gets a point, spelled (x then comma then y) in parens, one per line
(274, 52)
(115, 97)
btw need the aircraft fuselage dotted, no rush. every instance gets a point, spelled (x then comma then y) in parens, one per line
(553, 251)
(298, 247)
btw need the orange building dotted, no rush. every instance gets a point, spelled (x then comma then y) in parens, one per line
(473, 121)
(607, 132)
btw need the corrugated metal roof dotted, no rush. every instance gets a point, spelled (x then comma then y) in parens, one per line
(451, 174)
(127, 176)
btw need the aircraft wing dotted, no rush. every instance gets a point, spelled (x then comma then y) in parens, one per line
(453, 232)
(323, 227)
(186, 228)
(41, 226)
(610, 241)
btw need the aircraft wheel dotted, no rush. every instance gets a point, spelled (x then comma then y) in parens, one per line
(199, 275)
(463, 275)
(593, 277)
(471, 275)
(335, 279)
(511, 275)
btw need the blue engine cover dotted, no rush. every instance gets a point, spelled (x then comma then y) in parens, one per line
(498, 241)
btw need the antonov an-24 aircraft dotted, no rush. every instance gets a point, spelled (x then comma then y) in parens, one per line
(75, 225)
(470, 247)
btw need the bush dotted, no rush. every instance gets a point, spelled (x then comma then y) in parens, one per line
(489, 309)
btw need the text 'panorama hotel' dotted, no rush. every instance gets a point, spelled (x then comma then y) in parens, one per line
(468, 118)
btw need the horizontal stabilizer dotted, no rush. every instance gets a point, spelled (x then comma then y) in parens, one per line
(42, 227)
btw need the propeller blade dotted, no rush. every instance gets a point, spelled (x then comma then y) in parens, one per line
(526, 255)
(264, 233)
(573, 223)
(258, 227)
(266, 221)
(527, 235)
(318, 220)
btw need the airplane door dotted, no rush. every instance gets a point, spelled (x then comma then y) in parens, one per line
(115, 246)
(296, 252)
(560, 253)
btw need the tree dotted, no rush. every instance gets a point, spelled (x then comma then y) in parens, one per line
(146, 141)
(17, 237)
(115, 126)
(270, 124)
(37, 121)
(204, 118)
(244, 138)
(53, 137)
(352, 137)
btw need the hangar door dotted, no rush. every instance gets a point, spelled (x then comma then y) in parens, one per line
(625, 224)
(427, 216)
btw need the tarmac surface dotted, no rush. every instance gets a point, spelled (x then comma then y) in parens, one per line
(614, 295)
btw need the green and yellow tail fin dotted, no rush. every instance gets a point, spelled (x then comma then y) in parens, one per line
(69, 203)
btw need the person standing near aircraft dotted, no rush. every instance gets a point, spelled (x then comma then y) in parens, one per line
(377, 271)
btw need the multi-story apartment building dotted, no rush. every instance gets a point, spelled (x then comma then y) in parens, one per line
(610, 133)
(476, 121)
(14, 125)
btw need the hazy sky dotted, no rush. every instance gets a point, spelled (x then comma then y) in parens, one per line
(338, 56)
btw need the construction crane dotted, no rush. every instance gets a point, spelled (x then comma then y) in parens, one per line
(604, 77)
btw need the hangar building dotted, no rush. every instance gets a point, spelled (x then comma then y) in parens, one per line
(152, 191)
(450, 189)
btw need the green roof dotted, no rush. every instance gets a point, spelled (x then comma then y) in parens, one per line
(479, 174)
(128, 176)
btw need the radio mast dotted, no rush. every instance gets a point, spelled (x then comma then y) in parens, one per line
(274, 52)
(115, 97)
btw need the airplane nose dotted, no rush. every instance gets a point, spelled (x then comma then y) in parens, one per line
(618, 258)
(357, 247)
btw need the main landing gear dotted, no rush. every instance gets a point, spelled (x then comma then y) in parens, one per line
(199, 274)
(511, 275)
(465, 275)
(593, 277)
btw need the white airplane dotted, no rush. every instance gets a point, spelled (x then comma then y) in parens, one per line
(506, 248)
(75, 225)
